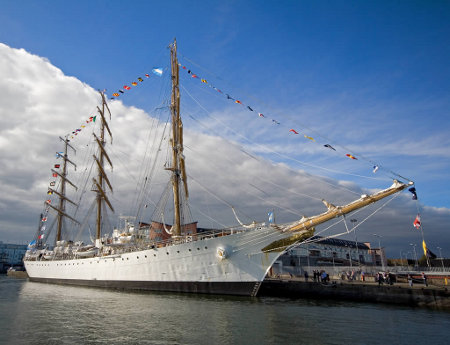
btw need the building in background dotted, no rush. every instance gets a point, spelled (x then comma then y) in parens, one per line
(330, 252)
(11, 255)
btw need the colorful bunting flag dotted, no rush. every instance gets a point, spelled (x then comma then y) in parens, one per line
(116, 94)
(147, 75)
(126, 87)
(261, 115)
(271, 217)
(350, 156)
(41, 236)
(309, 137)
(52, 184)
(413, 191)
(417, 222)
(140, 79)
(57, 166)
(293, 131)
(330, 147)
(54, 175)
(44, 219)
(424, 246)
(134, 83)
(375, 168)
(249, 108)
(157, 71)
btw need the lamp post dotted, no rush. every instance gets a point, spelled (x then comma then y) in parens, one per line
(353, 221)
(415, 254)
(349, 254)
(442, 260)
(381, 252)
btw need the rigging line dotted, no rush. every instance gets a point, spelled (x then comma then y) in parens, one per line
(210, 218)
(365, 219)
(310, 240)
(260, 178)
(143, 172)
(275, 152)
(86, 219)
(214, 195)
(151, 173)
(317, 133)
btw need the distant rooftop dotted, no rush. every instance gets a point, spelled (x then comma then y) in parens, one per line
(340, 243)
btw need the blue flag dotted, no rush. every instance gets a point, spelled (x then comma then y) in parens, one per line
(271, 217)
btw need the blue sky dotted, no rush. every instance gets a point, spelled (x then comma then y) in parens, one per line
(370, 77)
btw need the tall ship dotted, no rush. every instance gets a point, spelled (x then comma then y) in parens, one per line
(182, 259)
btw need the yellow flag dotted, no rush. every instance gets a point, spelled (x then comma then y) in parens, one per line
(424, 248)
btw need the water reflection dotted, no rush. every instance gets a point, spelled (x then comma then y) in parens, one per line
(52, 314)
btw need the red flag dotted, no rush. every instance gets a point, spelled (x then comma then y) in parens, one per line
(238, 102)
(147, 75)
(417, 222)
(293, 131)
(126, 87)
(57, 166)
(55, 175)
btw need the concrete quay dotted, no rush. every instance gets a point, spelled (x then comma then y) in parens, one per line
(419, 295)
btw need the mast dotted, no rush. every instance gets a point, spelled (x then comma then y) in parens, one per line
(102, 178)
(177, 140)
(61, 209)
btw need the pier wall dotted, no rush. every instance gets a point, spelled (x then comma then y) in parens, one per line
(417, 296)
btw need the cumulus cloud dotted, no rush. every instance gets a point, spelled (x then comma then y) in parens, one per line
(40, 103)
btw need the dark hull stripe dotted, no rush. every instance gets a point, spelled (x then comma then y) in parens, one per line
(218, 288)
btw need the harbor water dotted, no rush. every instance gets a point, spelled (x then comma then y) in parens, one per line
(35, 313)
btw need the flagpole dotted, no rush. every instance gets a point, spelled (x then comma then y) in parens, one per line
(423, 237)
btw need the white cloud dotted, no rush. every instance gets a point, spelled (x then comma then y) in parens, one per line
(39, 103)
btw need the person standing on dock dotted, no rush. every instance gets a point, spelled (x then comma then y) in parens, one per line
(410, 281)
(424, 277)
(306, 276)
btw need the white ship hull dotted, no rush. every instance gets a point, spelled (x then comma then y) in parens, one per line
(189, 267)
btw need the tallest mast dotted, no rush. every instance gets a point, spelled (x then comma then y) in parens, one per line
(176, 138)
